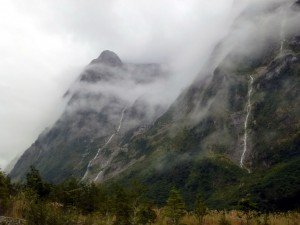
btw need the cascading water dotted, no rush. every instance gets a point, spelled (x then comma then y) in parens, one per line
(284, 13)
(248, 109)
(282, 33)
(117, 131)
(99, 150)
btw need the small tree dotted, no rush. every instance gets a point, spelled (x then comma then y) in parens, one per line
(144, 215)
(175, 208)
(4, 192)
(122, 207)
(223, 220)
(34, 181)
(200, 209)
(247, 205)
(90, 195)
(42, 213)
(69, 193)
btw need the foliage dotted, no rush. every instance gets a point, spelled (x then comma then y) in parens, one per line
(4, 192)
(144, 215)
(175, 207)
(121, 206)
(68, 203)
(220, 182)
(43, 213)
(200, 209)
(223, 220)
(34, 182)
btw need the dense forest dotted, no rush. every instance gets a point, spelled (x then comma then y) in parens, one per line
(37, 202)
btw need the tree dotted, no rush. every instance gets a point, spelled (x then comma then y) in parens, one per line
(175, 207)
(69, 193)
(122, 208)
(4, 192)
(34, 182)
(200, 209)
(247, 205)
(142, 212)
(90, 196)
(143, 215)
(40, 212)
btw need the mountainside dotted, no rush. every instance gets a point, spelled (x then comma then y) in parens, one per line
(225, 131)
(237, 123)
(234, 133)
(97, 114)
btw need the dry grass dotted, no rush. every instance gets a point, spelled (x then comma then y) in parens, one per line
(238, 218)
(19, 204)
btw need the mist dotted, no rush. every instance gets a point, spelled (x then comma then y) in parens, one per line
(47, 44)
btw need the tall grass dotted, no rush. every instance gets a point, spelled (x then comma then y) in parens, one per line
(20, 205)
(237, 218)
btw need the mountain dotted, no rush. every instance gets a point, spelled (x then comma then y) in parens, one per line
(232, 134)
(98, 113)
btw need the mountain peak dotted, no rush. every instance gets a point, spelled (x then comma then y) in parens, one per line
(109, 58)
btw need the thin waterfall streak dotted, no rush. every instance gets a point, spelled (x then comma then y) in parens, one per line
(96, 156)
(98, 175)
(248, 109)
(282, 33)
(283, 24)
(117, 131)
(106, 143)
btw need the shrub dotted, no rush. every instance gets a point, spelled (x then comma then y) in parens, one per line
(223, 220)
(40, 213)
(175, 208)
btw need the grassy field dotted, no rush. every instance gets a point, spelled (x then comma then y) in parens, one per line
(237, 218)
(214, 218)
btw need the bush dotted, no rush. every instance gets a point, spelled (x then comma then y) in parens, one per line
(34, 182)
(200, 209)
(144, 215)
(40, 213)
(223, 220)
(4, 193)
(175, 208)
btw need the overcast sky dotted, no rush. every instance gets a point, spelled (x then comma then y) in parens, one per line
(45, 44)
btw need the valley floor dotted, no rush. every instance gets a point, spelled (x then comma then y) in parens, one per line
(212, 218)
(239, 218)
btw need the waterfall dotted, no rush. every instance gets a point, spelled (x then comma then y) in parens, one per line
(245, 139)
(121, 120)
(282, 33)
(105, 144)
(284, 12)
(117, 131)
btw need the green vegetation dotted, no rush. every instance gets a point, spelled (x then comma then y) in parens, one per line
(200, 210)
(4, 192)
(222, 185)
(175, 207)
